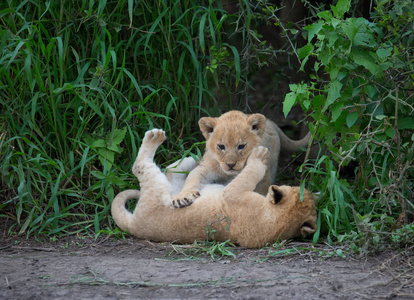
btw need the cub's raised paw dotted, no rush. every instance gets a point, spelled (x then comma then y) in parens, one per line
(261, 153)
(185, 199)
(155, 136)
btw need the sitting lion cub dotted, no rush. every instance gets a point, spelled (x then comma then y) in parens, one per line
(234, 211)
(230, 140)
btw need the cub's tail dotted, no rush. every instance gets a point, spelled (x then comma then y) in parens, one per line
(123, 218)
(290, 145)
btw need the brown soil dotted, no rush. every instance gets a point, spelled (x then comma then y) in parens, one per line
(82, 268)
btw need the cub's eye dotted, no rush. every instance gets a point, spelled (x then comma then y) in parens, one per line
(241, 147)
(221, 147)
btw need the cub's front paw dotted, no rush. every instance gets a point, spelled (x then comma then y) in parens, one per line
(260, 153)
(154, 136)
(185, 199)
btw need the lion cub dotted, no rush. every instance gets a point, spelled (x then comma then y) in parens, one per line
(230, 139)
(234, 211)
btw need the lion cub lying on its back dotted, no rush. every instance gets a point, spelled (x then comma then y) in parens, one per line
(230, 140)
(234, 211)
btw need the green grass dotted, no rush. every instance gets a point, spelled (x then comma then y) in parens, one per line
(80, 83)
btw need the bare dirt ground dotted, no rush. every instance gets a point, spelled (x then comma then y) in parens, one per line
(82, 268)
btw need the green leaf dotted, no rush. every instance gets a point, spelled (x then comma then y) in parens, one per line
(341, 8)
(119, 135)
(14, 54)
(305, 51)
(115, 148)
(98, 174)
(313, 29)
(334, 92)
(371, 91)
(65, 87)
(201, 32)
(99, 144)
(390, 132)
(236, 61)
(384, 52)
(363, 58)
(130, 10)
(134, 82)
(83, 160)
(336, 110)
(405, 123)
(351, 118)
(290, 100)
(326, 15)
(106, 157)
(350, 29)
(92, 105)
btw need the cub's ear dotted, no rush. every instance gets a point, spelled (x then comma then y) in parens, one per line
(307, 228)
(274, 194)
(257, 123)
(207, 125)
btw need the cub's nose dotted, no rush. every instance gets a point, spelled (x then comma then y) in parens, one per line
(230, 165)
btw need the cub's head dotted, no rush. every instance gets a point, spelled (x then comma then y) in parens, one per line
(232, 137)
(299, 217)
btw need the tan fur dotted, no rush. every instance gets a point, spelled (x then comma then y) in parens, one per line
(234, 211)
(232, 130)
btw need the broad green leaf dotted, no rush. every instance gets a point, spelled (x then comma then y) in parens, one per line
(351, 118)
(336, 110)
(341, 8)
(334, 92)
(405, 123)
(106, 157)
(384, 52)
(313, 29)
(334, 73)
(371, 91)
(363, 58)
(99, 144)
(350, 29)
(290, 100)
(305, 51)
(114, 148)
(119, 135)
(325, 15)
(98, 174)
(390, 132)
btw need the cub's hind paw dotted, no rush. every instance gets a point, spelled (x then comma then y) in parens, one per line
(155, 136)
(183, 200)
(261, 153)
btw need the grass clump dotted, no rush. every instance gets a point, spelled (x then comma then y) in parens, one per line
(81, 81)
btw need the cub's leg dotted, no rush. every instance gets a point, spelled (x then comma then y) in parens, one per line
(154, 184)
(250, 176)
(190, 190)
(264, 184)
